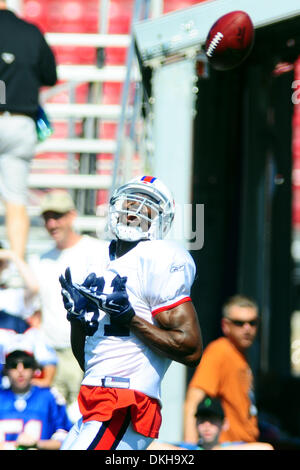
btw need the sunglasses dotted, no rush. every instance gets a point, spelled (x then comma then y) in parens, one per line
(241, 323)
(27, 364)
(53, 215)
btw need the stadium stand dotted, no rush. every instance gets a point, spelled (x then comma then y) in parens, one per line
(91, 41)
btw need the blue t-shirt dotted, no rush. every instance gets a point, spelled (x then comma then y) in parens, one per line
(37, 413)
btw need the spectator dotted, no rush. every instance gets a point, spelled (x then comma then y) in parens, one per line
(26, 64)
(30, 417)
(78, 252)
(16, 333)
(224, 372)
(210, 421)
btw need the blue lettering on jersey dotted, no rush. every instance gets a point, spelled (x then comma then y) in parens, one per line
(38, 413)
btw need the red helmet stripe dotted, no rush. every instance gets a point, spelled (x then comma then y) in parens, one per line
(148, 179)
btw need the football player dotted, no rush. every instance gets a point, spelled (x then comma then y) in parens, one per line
(131, 321)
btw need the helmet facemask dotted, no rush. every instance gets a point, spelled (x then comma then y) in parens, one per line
(136, 217)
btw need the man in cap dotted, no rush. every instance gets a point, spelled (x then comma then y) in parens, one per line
(30, 416)
(71, 249)
(210, 422)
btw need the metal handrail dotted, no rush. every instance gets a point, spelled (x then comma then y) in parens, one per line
(137, 12)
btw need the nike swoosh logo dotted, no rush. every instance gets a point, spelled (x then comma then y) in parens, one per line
(111, 303)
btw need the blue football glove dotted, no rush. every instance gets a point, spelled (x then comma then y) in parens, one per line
(117, 304)
(75, 303)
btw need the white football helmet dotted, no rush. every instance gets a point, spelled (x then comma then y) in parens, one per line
(142, 209)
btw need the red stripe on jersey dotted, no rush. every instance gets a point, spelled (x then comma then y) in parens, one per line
(169, 307)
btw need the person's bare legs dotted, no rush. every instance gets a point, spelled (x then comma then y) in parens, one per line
(17, 227)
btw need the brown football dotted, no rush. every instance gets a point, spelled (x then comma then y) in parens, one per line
(229, 40)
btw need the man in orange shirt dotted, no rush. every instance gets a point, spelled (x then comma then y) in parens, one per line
(224, 372)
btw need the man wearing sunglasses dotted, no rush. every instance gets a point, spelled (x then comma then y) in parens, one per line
(30, 417)
(224, 372)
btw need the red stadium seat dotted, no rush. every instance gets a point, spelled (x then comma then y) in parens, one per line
(172, 5)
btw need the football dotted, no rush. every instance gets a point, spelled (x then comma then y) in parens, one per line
(229, 40)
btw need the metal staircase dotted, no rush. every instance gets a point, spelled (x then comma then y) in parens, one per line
(85, 162)
(99, 135)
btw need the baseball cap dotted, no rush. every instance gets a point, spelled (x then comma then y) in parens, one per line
(57, 201)
(209, 407)
(20, 355)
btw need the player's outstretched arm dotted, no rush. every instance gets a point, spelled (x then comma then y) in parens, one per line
(177, 336)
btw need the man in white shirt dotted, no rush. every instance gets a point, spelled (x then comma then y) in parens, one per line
(74, 250)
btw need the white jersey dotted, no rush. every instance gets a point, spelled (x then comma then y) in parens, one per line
(159, 275)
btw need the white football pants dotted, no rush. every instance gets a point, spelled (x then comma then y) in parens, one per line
(115, 434)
